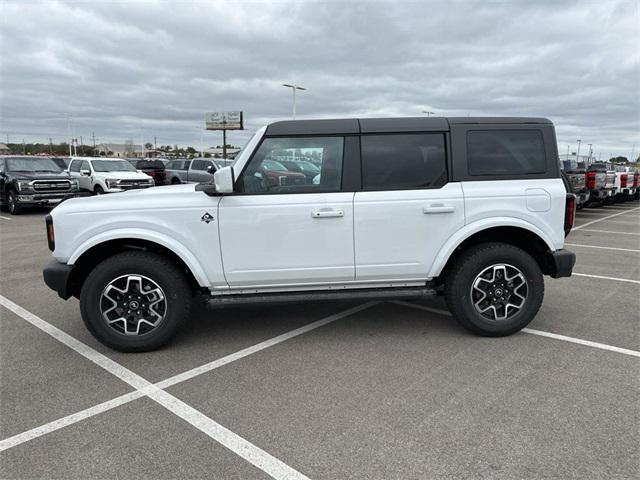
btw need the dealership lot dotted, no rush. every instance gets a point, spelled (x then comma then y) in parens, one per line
(331, 390)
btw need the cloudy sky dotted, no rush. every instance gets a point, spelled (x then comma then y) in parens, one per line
(130, 69)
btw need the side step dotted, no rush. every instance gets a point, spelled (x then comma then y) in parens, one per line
(319, 296)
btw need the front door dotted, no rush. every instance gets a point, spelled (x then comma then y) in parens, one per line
(282, 228)
(406, 210)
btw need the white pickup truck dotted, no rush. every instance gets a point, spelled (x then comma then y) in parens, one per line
(474, 208)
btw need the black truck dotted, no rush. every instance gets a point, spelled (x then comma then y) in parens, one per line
(32, 182)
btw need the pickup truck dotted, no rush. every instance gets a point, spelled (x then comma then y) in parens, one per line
(626, 184)
(190, 171)
(153, 167)
(578, 181)
(471, 208)
(33, 182)
(601, 183)
(107, 175)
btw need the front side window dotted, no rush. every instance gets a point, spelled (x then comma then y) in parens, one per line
(403, 161)
(295, 165)
(505, 152)
(85, 166)
(198, 165)
(75, 166)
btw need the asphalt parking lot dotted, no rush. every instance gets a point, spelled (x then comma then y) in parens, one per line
(334, 390)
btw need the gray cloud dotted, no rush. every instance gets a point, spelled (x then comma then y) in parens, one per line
(139, 69)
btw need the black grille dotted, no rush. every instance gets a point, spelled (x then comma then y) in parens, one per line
(52, 185)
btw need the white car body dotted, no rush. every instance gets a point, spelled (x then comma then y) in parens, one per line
(109, 182)
(376, 238)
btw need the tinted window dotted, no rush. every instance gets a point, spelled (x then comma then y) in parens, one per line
(75, 166)
(85, 165)
(276, 166)
(392, 162)
(198, 165)
(505, 152)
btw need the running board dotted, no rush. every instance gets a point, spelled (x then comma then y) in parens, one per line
(319, 296)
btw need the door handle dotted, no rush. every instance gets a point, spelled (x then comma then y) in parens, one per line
(438, 208)
(327, 213)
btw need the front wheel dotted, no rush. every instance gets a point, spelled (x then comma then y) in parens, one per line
(494, 289)
(135, 301)
(12, 203)
(98, 190)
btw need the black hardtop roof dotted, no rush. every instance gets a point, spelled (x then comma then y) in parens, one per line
(395, 124)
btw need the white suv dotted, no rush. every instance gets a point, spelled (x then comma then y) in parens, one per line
(107, 175)
(474, 208)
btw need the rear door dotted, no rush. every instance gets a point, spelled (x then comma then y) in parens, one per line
(289, 233)
(407, 209)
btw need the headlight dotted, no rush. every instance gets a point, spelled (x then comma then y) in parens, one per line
(24, 185)
(151, 181)
(73, 183)
(112, 182)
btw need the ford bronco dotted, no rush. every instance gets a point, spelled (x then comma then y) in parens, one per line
(472, 208)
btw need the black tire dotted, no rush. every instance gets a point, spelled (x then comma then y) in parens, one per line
(13, 206)
(155, 267)
(98, 190)
(469, 265)
(175, 181)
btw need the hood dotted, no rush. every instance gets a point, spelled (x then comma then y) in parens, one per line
(144, 199)
(39, 176)
(123, 175)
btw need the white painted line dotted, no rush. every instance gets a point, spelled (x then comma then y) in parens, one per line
(604, 218)
(617, 279)
(602, 248)
(207, 367)
(126, 398)
(5, 218)
(241, 447)
(36, 432)
(579, 341)
(610, 231)
(623, 222)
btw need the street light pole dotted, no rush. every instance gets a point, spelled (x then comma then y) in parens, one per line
(293, 89)
(590, 152)
(578, 153)
(428, 113)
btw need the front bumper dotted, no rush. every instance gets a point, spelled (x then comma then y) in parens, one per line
(56, 277)
(38, 199)
(562, 263)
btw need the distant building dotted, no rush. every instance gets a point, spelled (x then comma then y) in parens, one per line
(217, 152)
(4, 150)
(119, 150)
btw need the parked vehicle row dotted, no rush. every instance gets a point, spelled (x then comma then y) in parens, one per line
(601, 184)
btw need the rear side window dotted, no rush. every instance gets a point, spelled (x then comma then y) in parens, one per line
(198, 165)
(505, 152)
(403, 161)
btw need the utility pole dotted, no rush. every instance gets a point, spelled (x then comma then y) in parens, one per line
(81, 146)
(224, 129)
(567, 152)
(93, 136)
(155, 143)
(578, 153)
(590, 151)
(293, 89)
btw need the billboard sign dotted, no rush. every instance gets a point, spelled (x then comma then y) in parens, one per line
(224, 121)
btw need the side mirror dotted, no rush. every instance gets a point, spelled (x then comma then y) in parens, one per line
(211, 169)
(223, 180)
(86, 173)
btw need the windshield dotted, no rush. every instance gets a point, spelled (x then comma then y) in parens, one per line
(112, 166)
(32, 164)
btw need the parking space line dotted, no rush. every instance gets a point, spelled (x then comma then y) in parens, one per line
(623, 222)
(5, 218)
(616, 279)
(564, 338)
(241, 447)
(604, 218)
(189, 415)
(611, 231)
(602, 248)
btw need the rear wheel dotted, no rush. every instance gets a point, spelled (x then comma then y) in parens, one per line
(175, 181)
(135, 301)
(494, 289)
(98, 190)
(12, 203)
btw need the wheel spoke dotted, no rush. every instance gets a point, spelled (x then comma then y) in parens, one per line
(499, 291)
(133, 304)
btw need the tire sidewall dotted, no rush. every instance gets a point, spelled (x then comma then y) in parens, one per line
(534, 281)
(13, 205)
(176, 291)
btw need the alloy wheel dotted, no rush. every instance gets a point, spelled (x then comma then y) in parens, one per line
(499, 292)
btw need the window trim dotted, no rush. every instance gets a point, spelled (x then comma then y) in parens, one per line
(447, 157)
(265, 137)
